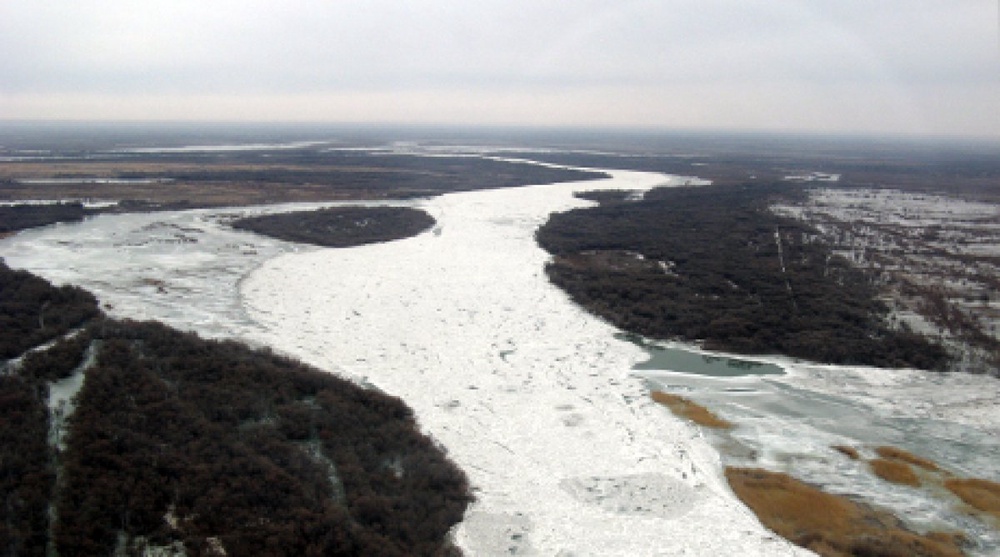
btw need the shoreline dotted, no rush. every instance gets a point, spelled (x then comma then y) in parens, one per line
(580, 389)
(531, 395)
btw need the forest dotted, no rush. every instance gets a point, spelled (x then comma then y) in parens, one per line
(340, 227)
(22, 216)
(33, 312)
(177, 441)
(714, 266)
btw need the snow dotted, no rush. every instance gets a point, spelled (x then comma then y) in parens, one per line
(530, 395)
(534, 398)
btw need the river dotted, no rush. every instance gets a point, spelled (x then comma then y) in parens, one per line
(537, 400)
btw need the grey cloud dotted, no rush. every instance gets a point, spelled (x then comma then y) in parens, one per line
(261, 47)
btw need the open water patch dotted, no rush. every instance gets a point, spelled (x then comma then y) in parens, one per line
(679, 360)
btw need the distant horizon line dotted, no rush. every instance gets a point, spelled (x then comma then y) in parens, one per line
(583, 129)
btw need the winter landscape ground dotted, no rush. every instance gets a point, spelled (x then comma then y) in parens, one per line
(538, 401)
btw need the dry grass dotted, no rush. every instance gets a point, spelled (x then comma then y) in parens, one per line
(830, 525)
(895, 472)
(892, 453)
(684, 408)
(850, 452)
(983, 495)
(112, 169)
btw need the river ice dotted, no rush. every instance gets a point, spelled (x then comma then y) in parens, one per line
(534, 398)
(529, 394)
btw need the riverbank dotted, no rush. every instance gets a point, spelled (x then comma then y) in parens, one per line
(531, 396)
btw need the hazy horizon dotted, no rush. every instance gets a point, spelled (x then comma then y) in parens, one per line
(913, 69)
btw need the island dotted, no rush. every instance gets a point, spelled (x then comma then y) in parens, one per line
(340, 227)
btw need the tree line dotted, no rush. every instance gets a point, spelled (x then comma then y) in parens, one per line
(22, 216)
(199, 443)
(721, 269)
(340, 227)
(33, 312)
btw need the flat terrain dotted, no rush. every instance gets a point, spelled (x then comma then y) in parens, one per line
(260, 177)
(532, 397)
(936, 260)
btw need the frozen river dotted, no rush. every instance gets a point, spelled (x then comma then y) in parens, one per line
(535, 399)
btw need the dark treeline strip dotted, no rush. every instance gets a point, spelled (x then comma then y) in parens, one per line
(29, 215)
(26, 472)
(390, 174)
(57, 362)
(340, 226)
(218, 437)
(719, 268)
(33, 312)
(20, 217)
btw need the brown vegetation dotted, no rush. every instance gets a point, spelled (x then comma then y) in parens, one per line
(982, 495)
(894, 453)
(895, 472)
(695, 412)
(850, 452)
(830, 525)
(260, 177)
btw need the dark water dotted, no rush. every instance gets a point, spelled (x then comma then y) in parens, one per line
(685, 361)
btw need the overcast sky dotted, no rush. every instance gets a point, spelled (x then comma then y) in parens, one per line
(884, 66)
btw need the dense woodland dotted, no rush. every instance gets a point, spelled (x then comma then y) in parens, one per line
(713, 265)
(33, 312)
(340, 227)
(27, 473)
(20, 217)
(177, 440)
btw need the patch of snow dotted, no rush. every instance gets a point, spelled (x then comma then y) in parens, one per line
(61, 395)
(813, 177)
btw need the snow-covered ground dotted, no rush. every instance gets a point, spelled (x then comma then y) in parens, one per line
(179, 267)
(937, 257)
(535, 399)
